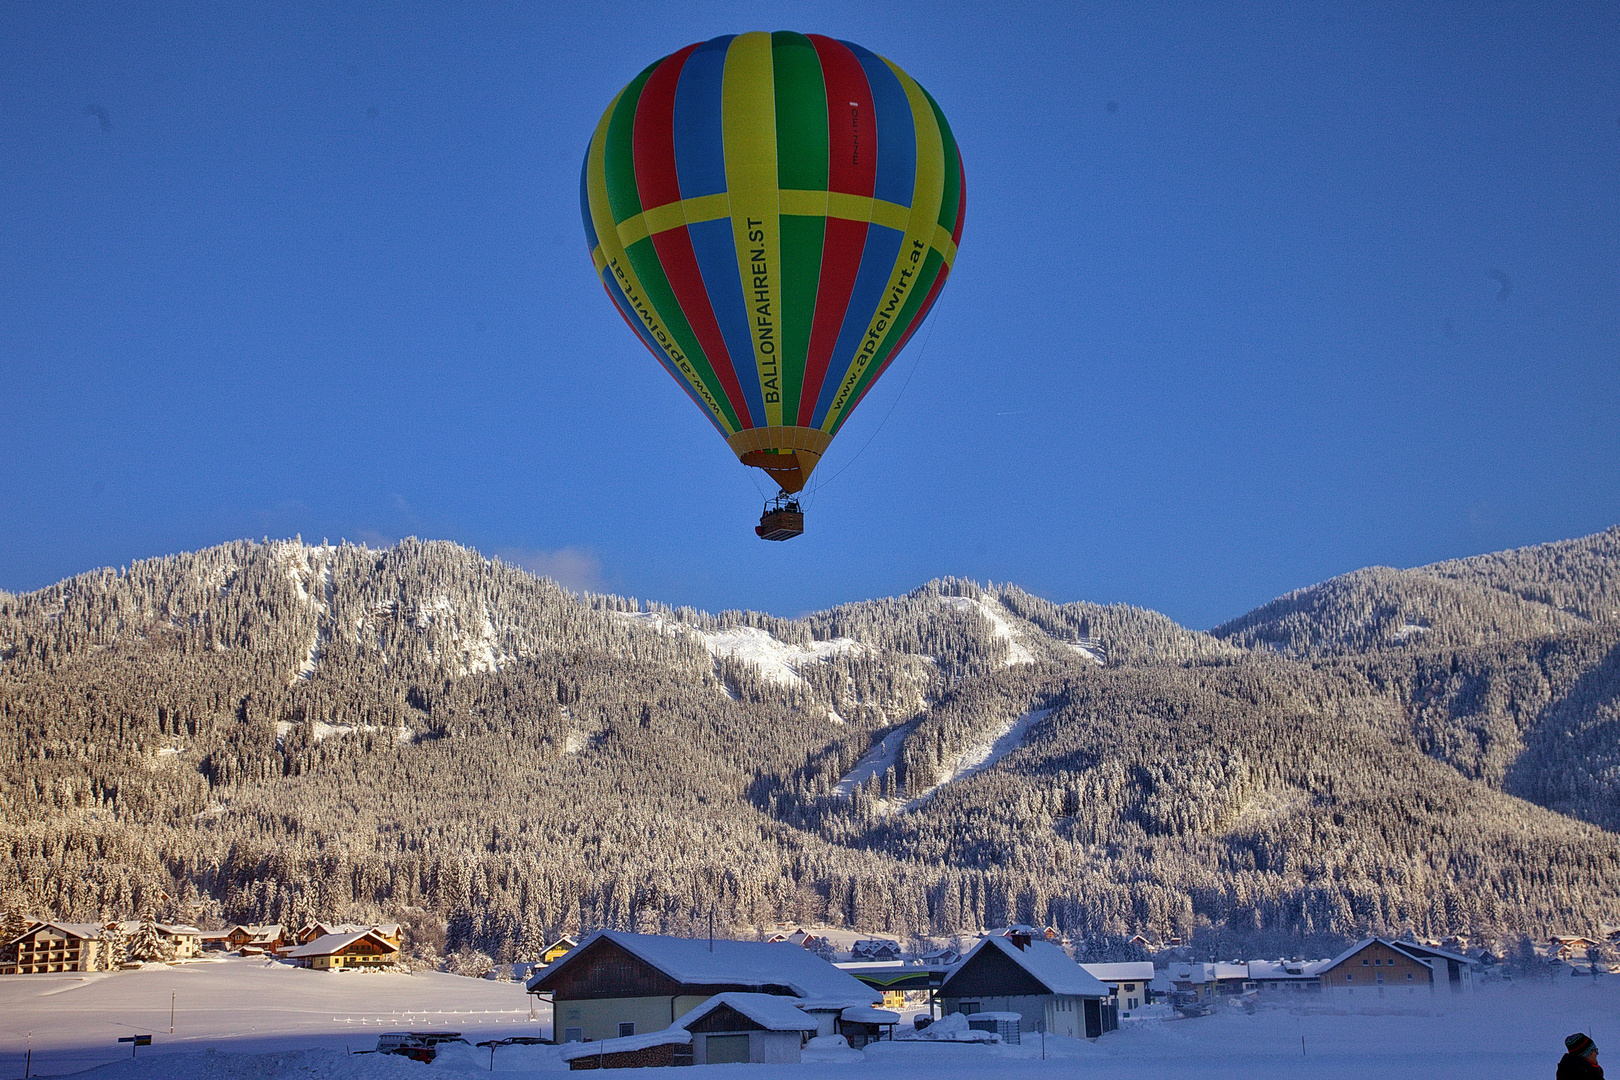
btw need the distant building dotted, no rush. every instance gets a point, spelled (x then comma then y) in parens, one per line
(558, 949)
(1128, 981)
(1193, 981)
(875, 949)
(270, 937)
(1570, 946)
(48, 947)
(1285, 974)
(617, 984)
(1035, 979)
(366, 949)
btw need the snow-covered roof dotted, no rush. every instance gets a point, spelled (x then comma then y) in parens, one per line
(999, 1017)
(1134, 971)
(1404, 947)
(331, 944)
(1230, 971)
(756, 964)
(1047, 963)
(1191, 973)
(865, 1014)
(770, 1011)
(833, 1004)
(71, 929)
(1285, 969)
(1430, 950)
(624, 1043)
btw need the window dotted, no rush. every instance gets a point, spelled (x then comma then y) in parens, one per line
(1408, 976)
(1349, 977)
(626, 1030)
(1364, 961)
(1380, 976)
(969, 1008)
(573, 1034)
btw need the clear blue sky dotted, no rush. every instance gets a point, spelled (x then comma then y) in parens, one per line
(1326, 286)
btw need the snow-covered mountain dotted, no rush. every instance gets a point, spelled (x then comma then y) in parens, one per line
(280, 729)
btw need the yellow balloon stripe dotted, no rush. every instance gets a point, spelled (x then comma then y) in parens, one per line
(922, 221)
(748, 117)
(612, 257)
(835, 204)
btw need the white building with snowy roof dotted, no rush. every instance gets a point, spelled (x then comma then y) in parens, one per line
(618, 984)
(1035, 979)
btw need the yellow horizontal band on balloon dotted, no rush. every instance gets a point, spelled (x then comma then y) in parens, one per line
(944, 245)
(835, 204)
(747, 440)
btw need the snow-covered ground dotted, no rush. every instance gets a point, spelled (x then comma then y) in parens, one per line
(243, 1019)
(242, 1006)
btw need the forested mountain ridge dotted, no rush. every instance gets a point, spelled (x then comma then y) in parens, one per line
(278, 730)
(1508, 595)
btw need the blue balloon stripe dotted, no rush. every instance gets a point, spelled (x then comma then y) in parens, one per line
(877, 263)
(700, 148)
(896, 130)
(716, 249)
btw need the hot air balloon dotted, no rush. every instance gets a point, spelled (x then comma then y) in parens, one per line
(774, 215)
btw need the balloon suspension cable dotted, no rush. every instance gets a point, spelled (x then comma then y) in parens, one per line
(810, 499)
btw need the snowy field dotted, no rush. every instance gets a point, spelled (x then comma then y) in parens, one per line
(248, 1019)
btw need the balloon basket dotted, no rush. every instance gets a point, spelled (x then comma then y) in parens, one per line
(782, 519)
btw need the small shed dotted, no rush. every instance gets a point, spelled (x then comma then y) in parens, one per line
(740, 1027)
(862, 1024)
(672, 1046)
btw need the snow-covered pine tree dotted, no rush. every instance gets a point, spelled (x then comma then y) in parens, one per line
(146, 943)
(13, 924)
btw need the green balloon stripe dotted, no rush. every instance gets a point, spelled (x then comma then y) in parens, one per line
(655, 283)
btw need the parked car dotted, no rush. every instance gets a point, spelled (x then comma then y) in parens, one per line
(417, 1045)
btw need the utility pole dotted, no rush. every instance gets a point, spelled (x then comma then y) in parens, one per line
(171, 1012)
(711, 928)
(28, 1062)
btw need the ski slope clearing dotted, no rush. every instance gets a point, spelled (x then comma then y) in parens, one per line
(992, 610)
(1501, 1032)
(776, 660)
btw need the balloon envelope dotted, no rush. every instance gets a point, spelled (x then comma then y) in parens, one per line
(774, 215)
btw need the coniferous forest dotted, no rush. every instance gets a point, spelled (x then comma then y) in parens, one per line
(271, 732)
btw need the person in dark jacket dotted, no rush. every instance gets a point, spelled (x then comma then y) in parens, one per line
(1581, 1061)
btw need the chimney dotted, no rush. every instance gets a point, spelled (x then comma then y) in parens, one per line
(1020, 939)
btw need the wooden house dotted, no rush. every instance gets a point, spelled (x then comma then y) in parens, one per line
(390, 932)
(1378, 967)
(270, 937)
(617, 984)
(1035, 979)
(48, 947)
(367, 949)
